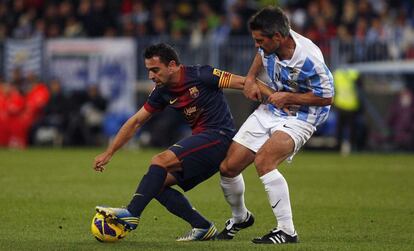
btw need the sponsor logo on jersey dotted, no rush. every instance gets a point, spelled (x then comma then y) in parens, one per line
(188, 111)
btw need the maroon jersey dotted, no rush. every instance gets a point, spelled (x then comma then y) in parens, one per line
(198, 96)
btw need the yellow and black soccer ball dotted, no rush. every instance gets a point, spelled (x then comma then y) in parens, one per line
(107, 230)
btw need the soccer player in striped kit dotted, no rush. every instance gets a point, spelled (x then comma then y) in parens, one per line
(196, 93)
(276, 131)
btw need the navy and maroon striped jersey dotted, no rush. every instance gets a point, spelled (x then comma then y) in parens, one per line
(198, 96)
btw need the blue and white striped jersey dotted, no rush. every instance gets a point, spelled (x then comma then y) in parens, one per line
(304, 72)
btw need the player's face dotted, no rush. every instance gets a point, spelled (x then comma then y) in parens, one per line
(158, 72)
(267, 44)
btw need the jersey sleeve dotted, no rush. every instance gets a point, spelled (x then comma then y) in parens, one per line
(214, 77)
(322, 82)
(155, 102)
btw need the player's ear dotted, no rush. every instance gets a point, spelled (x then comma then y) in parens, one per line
(172, 64)
(277, 36)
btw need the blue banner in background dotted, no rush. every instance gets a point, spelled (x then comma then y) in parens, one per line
(108, 63)
(25, 54)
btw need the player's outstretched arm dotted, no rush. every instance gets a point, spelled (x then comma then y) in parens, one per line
(236, 82)
(282, 99)
(127, 131)
(264, 89)
(251, 90)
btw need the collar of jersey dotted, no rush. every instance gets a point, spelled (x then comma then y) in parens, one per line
(296, 54)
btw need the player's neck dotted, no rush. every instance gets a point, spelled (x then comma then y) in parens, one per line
(176, 76)
(286, 49)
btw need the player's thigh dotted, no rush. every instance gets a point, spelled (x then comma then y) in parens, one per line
(275, 150)
(200, 157)
(167, 159)
(248, 140)
(238, 158)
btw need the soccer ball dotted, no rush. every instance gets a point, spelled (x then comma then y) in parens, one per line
(107, 230)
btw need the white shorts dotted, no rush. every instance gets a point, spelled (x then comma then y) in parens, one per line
(262, 123)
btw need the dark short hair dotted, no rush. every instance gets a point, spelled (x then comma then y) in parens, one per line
(164, 51)
(269, 21)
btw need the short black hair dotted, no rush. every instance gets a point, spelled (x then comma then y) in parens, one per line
(270, 20)
(164, 51)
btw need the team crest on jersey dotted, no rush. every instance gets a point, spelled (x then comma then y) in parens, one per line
(293, 78)
(217, 72)
(194, 92)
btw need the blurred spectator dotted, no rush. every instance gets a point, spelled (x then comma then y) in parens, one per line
(49, 129)
(346, 45)
(13, 105)
(93, 111)
(17, 80)
(53, 30)
(6, 16)
(75, 133)
(401, 120)
(73, 28)
(39, 27)
(86, 112)
(401, 35)
(4, 98)
(321, 33)
(244, 9)
(96, 17)
(51, 14)
(348, 107)
(37, 95)
(158, 25)
(139, 14)
(21, 103)
(349, 14)
(181, 20)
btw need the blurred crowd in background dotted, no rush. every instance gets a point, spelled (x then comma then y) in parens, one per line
(35, 111)
(319, 20)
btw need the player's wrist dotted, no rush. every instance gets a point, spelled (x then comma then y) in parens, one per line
(110, 152)
(290, 98)
(250, 81)
(250, 77)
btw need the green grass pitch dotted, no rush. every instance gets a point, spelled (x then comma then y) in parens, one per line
(362, 202)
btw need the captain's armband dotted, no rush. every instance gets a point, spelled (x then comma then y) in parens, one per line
(224, 78)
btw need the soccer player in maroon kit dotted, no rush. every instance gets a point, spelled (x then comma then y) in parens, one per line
(196, 92)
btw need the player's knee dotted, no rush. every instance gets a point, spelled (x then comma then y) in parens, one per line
(159, 160)
(227, 171)
(167, 160)
(263, 165)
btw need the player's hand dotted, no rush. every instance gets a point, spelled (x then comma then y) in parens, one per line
(101, 160)
(250, 90)
(279, 99)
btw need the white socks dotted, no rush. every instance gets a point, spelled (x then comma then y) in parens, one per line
(278, 194)
(233, 189)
